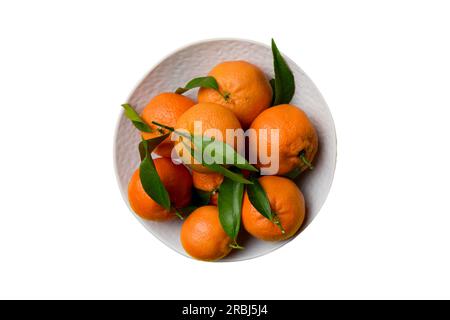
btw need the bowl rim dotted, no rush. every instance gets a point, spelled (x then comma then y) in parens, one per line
(153, 67)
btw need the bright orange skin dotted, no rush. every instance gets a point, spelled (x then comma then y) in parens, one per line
(202, 235)
(176, 179)
(164, 108)
(296, 134)
(286, 200)
(207, 181)
(248, 90)
(212, 116)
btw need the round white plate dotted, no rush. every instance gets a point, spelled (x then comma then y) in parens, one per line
(196, 60)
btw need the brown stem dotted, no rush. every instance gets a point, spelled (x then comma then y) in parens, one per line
(171, 129)
(163, 126)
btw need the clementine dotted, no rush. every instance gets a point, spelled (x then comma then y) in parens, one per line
(287, 204)
(298, 141)
(176, 179)
(202, 235)
(243, 88)
(164, 108)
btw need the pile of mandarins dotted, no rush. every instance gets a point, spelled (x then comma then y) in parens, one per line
(244, 100)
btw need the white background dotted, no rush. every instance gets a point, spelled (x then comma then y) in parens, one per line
(382, 66)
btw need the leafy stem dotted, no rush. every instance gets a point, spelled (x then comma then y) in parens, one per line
(201, 82)
(171, 129)
(229, 155)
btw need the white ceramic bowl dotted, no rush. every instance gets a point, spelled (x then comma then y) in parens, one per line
(196, 60)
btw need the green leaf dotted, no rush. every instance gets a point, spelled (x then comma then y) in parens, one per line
(131, 114)
(147, 146)
(152, 184)
(284, 79)
(227, 173)
(258, 199)
(230, 206)
(225, 152)
(294, 173)
(272, 84)
(201, 82)
(217, 167)
(150, 180)
(142, 149)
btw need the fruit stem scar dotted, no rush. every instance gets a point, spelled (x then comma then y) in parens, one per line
(236, 246)
(305, 161)
(225, 95)
(276, 220)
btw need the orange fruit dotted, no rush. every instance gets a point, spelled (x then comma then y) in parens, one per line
(244, 89)
(211, 116)
(286, 201)
(297, 136)
(164, 108)
(208, 182)
(176, 179)
(202, 235)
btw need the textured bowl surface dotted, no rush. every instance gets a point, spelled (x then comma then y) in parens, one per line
(196, 60)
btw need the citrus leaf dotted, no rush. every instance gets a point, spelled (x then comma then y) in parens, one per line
(131, 114)
(258, 199)
(272, 84)
(152, 184)
(150, 180)
(227, 173)
(294, 173)
(201, 82)
(217, 167)
(225, 152)
(142, 149)
(230, 206)
(147, 146)
(284, 79)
